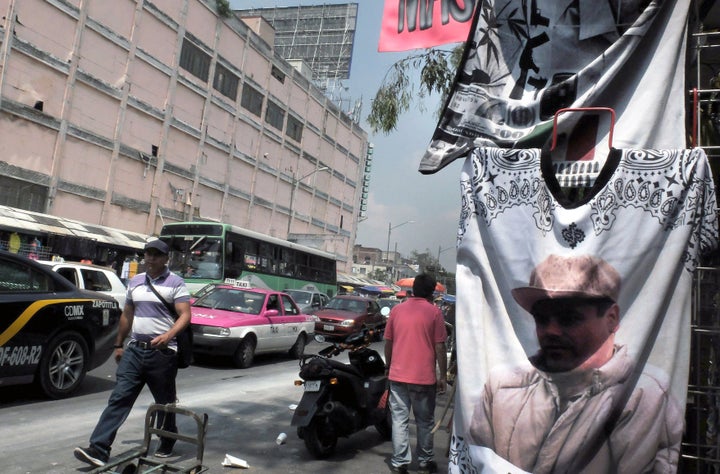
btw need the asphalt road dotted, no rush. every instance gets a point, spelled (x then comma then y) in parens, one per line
(247, 409)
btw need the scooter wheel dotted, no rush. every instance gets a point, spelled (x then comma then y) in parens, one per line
(320, 438)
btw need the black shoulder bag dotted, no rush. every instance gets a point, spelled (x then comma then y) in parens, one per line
(184, 338)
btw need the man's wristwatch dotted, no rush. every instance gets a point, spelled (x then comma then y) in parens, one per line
(118, 346)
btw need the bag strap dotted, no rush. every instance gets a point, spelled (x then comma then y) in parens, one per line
(164, 301)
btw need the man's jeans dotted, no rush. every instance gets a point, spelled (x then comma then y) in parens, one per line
(157, 369)
(421, 398)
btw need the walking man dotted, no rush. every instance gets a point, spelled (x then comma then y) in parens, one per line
(150, 355)
(414, 346)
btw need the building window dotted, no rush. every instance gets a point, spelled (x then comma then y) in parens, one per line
(194, 60)
(225, 82)
(23, 194)
(277, 74)
(294, 128)
(274, 115)
(252, 100)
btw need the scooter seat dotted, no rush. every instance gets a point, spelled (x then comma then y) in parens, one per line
(321, 367)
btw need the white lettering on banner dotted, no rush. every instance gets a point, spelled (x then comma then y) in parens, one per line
(104, 304)
(75, 310)
(20, 355)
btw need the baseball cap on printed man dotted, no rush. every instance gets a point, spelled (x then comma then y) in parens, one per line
(158, 245)
(582, 276)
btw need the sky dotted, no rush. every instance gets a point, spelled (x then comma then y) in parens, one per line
(399, 193)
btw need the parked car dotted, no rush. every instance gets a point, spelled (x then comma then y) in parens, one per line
(307, 300)
(346, 314)
(51, 332)
(91, 277)
(239, 322)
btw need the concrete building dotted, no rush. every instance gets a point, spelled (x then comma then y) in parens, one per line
(129, 114)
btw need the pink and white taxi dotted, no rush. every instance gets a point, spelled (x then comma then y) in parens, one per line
(238, 321)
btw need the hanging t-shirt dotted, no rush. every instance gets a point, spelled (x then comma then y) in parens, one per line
(14, 243)
(647, 218)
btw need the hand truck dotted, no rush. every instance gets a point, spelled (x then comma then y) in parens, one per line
(138, 461)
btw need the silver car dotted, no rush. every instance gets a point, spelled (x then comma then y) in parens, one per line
(308, 301)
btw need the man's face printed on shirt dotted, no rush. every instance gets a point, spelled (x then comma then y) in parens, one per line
(570, 331)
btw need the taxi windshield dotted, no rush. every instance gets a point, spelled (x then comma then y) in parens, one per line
(230, 299)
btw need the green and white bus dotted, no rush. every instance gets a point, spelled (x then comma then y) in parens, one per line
(211, 252)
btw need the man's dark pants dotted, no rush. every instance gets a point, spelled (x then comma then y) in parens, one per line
(157, 369)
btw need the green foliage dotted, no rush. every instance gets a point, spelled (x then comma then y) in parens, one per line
(378, 274)
(223, 8)
(437, 71)
(428, 263)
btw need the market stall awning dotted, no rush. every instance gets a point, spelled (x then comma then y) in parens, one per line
(20, 220)
(407, 283)
(376, 290)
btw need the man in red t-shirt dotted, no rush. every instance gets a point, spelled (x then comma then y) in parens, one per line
(414, 343)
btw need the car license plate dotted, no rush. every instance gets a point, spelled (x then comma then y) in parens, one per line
(312, 385)
(328, 327)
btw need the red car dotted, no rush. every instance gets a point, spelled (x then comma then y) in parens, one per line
(346, 314)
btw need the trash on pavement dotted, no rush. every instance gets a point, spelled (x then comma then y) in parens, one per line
(232, 461)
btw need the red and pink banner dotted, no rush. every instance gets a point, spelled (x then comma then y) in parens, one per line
(413, 24)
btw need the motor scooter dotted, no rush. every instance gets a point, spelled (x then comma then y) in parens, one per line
(341, 399)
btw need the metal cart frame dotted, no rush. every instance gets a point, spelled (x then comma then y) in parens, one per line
(138, 461)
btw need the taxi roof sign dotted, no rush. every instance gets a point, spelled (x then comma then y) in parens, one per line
(237, 283)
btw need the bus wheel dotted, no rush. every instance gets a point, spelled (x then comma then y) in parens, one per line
(243, 357)
(63, 365)
(298, 349)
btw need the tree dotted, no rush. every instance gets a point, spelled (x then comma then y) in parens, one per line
(427, 262)
(398, 89)
(379, 274)
(223, 8)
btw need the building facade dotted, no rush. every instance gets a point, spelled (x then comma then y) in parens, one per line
(131, 114)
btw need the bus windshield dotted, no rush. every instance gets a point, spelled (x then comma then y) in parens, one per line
(196, 257)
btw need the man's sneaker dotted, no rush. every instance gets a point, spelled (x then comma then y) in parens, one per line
(91, 456)
(402, 469)
(165, 450)
(428, 467)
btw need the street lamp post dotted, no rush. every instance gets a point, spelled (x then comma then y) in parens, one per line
(295, 183)
(441, 250)
(387, 253)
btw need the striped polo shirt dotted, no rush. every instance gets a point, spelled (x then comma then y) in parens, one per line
(152, 317)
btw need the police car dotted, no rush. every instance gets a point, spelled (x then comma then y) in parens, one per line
(51, 332)
(233, 319)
